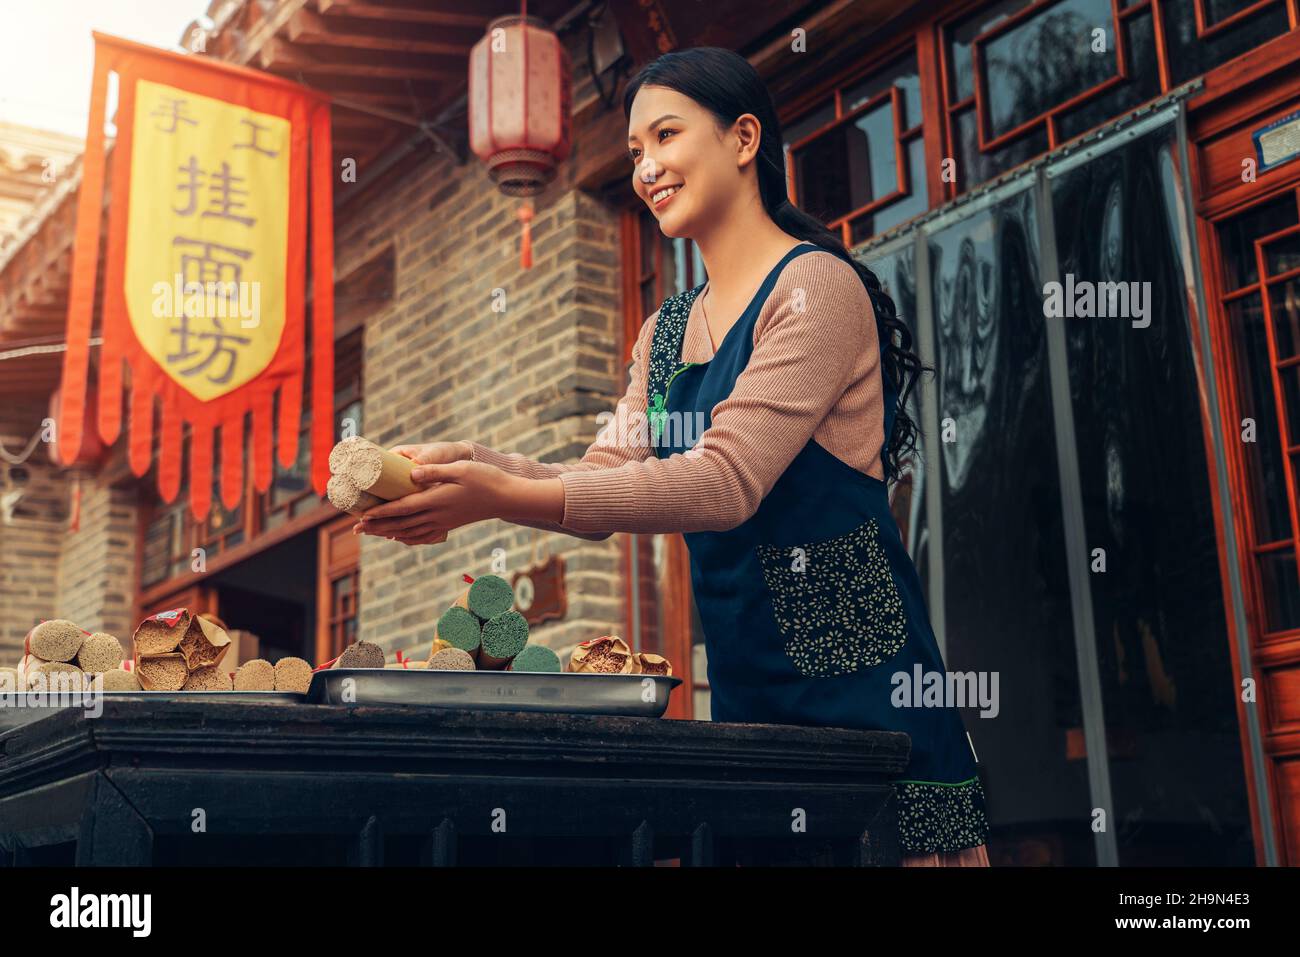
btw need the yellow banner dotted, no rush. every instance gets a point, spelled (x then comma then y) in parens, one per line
(206, 229)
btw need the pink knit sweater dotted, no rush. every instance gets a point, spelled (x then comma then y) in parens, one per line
(814, 373)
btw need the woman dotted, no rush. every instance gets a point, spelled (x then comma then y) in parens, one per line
(775, 398)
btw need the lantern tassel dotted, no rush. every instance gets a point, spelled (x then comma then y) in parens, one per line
(525, 216)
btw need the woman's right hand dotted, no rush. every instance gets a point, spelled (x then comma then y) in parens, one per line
(435, 453)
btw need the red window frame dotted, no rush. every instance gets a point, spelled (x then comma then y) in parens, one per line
(1206, 29)
(949, 108)
(980, 96)
(901, 138)
(1254, 551)
(338, 560)
(1280, 366)
(833, 92)
(1219, 126)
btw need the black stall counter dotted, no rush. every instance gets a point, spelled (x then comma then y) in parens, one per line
(173, 782)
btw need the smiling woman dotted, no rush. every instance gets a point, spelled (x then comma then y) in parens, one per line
(793, 359)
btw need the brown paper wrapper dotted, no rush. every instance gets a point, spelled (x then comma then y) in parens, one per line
(204, 645)
(608, 655)
(648, 663)
(160, 634)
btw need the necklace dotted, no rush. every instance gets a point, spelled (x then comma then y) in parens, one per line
(705, 312)
(708, 288)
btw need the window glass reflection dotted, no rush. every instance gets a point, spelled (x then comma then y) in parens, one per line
(1045, 61)
(1005, 590)
(1161, 634)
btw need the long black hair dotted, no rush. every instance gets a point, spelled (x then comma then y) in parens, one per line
(728, 86)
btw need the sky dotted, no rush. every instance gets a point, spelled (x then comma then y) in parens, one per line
(46, 52)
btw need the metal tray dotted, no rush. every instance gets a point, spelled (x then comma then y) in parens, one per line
(15, 715)
(495, 690)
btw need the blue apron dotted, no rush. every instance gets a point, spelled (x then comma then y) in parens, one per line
(812, 606)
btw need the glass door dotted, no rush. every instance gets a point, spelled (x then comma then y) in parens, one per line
(1159, 629)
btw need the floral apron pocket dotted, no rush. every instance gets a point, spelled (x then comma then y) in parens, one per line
(835, 602)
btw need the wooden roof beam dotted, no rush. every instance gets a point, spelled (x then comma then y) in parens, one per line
(446, 13)
(359, 34)
(356, 86)
(349, 124)
(287, 59)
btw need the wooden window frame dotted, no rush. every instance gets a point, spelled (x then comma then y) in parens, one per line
(833, 92)
(1205, 29)
(929, 39)
(1252, 550)
(901, 138)
(978, 99)
(1279, 366)
(1237, 96)
(1048, 117)
(334, 564)
(948, 108)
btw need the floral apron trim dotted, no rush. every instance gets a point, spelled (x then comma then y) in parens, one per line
(941, 817)
(665, 353)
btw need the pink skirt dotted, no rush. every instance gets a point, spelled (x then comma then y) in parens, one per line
(968, 857)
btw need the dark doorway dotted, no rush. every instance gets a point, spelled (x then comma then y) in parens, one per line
(273, 595)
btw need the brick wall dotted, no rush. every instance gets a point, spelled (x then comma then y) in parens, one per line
(97, 564)
(29, 545)
(48, 571)
(441, 364)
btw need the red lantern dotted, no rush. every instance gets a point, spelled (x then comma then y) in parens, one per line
(519, 103)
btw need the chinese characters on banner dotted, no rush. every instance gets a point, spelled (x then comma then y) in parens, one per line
(205, 269)
(210, 193)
